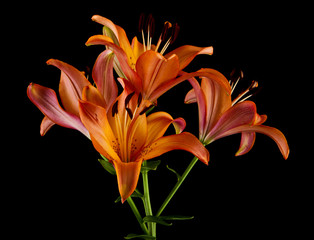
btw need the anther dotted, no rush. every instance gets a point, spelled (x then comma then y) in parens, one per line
(235, 76)
(128, 99)
(253, 85)
(129, 111)
(164, 33)
(115, 108)
(139, 99)
(150, 25)
(141, 22)
(174, 33)
(240, 98)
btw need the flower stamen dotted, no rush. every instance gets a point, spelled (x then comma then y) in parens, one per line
(148, 27)
(174, 34)
(164, 33)
(238, 99)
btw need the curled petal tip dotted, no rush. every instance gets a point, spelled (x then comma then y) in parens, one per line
(94, 17)
(49, 62)
(207, 50)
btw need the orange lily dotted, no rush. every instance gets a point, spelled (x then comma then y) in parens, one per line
(72, 83)
(127, 138)
(220, 117)
(141, 64)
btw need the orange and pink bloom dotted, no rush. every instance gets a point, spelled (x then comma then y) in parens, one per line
(219, 116)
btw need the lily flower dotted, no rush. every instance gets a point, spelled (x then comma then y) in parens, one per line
(72, 83)
(141, 64)
(219, 116)
(127, 138)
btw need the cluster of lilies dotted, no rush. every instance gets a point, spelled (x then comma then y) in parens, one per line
(118, 124)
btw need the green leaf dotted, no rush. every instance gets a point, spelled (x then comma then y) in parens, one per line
(107, 166)
(150, 165)
(132, 235)
(175, 172)
(158, 220)
(176, 217)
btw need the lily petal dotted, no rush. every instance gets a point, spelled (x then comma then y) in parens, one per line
(110, 29)
(118, 35)
(271, 132)
(190, 97)
(121, 56)
(137, 47)
(95, 120)
(45, 125)
(183, 141)
(247, 142)
(158, 123)
(47, 102)
(127, 175)
(188, 52)
(91, 94)
(137, 136)
(103, 76)
(206, 72)
(198, 94)
(240, 114)
(154, 70)
(72, 82)
(217, 101)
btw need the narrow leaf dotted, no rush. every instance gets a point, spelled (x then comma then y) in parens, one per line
(132, 235)
(107, 166)
(156, 220)
(150, 165)
(176, 217)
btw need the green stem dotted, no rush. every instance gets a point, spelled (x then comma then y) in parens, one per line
(147, 204)
(177, 186)
(137, 214)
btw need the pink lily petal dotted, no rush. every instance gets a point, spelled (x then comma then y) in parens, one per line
(45, 125)
(179, 125)
(198, 94)
(271, 132)
(121, 56)
(240, 114)
(217, 101)
(187, 53)
(46, 100)
(103, 76)
(190, 97)
(247, 142)
(71, 85)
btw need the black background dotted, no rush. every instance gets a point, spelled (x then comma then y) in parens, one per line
(56, 187)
